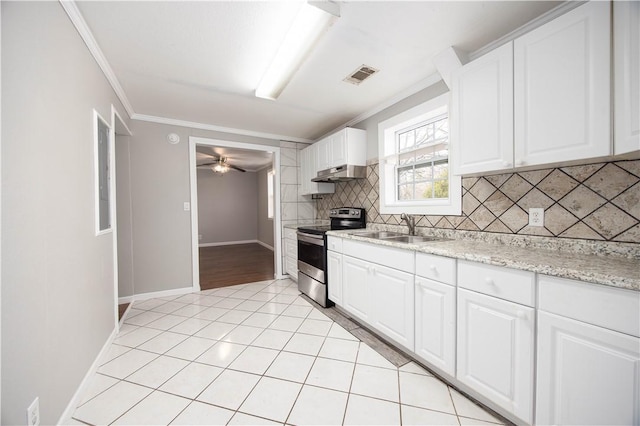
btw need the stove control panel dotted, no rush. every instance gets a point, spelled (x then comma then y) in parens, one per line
(346, 212)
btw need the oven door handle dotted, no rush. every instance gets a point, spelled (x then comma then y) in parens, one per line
(311, 239)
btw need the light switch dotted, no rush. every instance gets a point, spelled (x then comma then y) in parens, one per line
(187, 206)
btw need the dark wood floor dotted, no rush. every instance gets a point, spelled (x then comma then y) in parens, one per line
(222, 266)
(121, 310)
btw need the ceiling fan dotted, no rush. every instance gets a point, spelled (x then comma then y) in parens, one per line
(219, 165)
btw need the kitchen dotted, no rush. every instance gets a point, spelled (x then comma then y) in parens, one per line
(588, 204)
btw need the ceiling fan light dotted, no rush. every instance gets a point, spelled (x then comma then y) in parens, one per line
(310, 23)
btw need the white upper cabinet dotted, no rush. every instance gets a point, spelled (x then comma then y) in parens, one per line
(323, 148)
(544, 98)
(626, 56)
(562, 88)
(482, 111)
(309, 170)
(348, 146)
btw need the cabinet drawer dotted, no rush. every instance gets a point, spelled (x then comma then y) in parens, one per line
(613, 308)
(437, 268)
(334, 244)
(290, 234)
(504, 283)
(386, 256)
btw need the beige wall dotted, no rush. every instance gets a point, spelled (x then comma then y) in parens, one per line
(265, 225)
(227, 206)
(159, 187)
(57, 276)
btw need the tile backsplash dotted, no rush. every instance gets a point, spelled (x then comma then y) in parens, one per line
(594, 202)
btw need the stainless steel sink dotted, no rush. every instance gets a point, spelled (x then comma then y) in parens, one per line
(411, 239)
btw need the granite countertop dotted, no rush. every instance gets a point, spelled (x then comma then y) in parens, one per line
(614, 271)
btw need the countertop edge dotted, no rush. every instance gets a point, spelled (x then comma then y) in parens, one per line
(447, 248)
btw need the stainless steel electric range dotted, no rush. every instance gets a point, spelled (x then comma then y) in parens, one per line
(312, 251)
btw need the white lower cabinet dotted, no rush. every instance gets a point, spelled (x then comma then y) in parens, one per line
(495, 347)
(392, 305)
(334, 276)
(355, 290)
(588, 354)
(435, 324)
(291, 253)
(381, 297)
(587, 375)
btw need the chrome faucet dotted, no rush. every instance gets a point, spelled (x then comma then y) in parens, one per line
(411, 222)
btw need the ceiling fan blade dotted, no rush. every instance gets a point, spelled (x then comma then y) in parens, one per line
(236, 168)
(207, 164)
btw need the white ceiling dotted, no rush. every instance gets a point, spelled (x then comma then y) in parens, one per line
(201, 61)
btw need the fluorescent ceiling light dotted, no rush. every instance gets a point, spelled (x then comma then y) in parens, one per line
(310, 23)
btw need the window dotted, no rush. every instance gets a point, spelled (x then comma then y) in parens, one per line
(414, 162)
(101, 134)
(270, 196)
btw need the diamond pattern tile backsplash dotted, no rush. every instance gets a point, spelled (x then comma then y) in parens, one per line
(594, 202)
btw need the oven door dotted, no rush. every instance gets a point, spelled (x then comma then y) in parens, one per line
(311, 255)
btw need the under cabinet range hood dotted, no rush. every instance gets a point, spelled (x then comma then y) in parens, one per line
(341, 173)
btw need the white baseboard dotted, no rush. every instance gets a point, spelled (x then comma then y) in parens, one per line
(265, 245)
(155, 294)
(65, 418)
(228, 243)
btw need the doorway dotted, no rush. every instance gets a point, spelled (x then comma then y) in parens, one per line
(235, 212)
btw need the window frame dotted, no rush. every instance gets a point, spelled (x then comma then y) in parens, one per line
(102, 158)
(387, 154)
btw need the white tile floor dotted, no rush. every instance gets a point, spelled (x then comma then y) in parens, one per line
(257, 354)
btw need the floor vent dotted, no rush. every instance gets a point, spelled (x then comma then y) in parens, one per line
(360, 75)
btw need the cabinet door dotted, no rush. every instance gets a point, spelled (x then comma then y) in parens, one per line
(586, 375)
(338, 149)
(482, 113)
(324, 154)
(334, 277)
(393, 304)
(495, 351)
(356, 291)
(626, 45)
(562, 88)
(435, 323)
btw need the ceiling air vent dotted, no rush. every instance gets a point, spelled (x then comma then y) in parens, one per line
(360, 75)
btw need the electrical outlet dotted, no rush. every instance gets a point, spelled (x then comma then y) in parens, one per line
(536, 217)
(186, 206)
(33, 413)
(199, 237)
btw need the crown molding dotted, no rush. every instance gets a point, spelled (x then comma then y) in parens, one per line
(78, 21)
(214, 128)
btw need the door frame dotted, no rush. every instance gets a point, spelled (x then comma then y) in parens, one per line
(118, 127)
(277, 231)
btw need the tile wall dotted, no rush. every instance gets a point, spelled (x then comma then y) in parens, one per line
(594, 202)
(294, 208)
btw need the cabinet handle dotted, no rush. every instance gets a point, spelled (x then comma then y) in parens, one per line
(520, 163)
(506, 163)
(521, 315)
(490, 282)
(433, 268)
